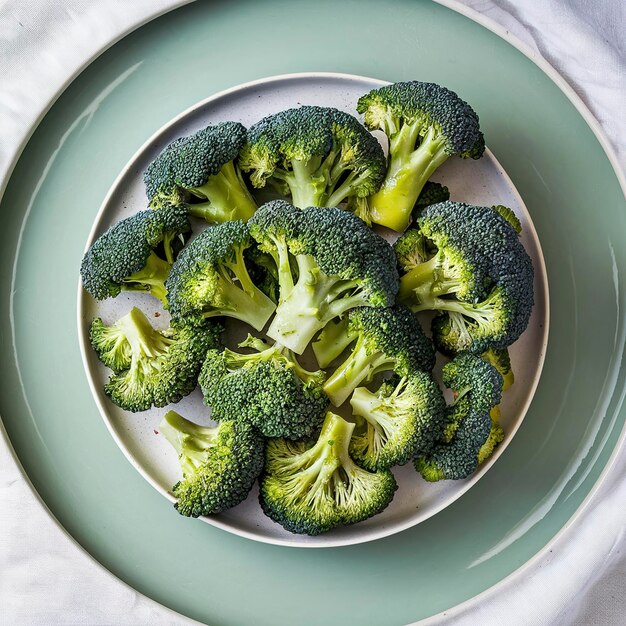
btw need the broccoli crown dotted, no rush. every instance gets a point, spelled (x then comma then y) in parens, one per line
(219, 464)
(432, 193)
(320, 156)
(134, 255)
(478, 388)
(400, 421)
(111, 344)
(412, 249)
(425, 124)
(479, 260)
(266, 388)
(163, 366)
(201, 167)
(328, 262)
(210, 278)
(388, 339)
(310, 487)
(427, 104)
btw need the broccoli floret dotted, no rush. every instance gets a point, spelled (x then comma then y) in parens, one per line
(412, 249)
(135, 254)
(432, 193)
(163, 366)
(479, 278)
(310, 487)
(267, 388)
(332, 341)
(111, 344)
(263, 272)
(425, 124)
(385, 340)
(210, 279)
(496, 436)
(501, 360)
(340, 264)
(509, 216)
(478, 388)
(219, 463)
(199, 173)
(401, 421)
(319, 156)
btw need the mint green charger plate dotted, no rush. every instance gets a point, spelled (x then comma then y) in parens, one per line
(537, 485)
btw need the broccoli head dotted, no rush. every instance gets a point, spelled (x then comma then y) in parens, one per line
(478, 277)
(310, 487)
(162, 367)
(478, 388)
(111, 343)
(135, 254)
(267, 388)
(210, 279)
(398, 422)
(319, 156)
(328, 263)
(199, 173)
(384, 340)
(219, 463)
(425, 124)
(432, 193)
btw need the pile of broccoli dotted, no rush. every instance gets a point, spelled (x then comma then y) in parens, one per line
(332, 311)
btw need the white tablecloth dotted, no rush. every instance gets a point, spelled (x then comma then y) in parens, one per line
(46, 579)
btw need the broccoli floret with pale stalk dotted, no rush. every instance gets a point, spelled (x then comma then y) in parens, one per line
(400, 421)
(478, 388)
(432, 193)
(267, 388)
(385, 340)
(319, 156)
(412, 250)
(478, 278)
(111, 344)
(340, 264)
(426, 124)
(199, 173)
(310, 487)
(210, 279)
(163, 367)
(135, 254)
(219, 463)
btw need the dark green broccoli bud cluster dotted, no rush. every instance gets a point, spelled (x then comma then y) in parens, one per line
(219, 463)
(328, 263)
(425, 124)
(317, 155)
(156, 368)
(267, 388)
(399, 422)
(135, 254)
(501, 360)
(210, 279)
(199, 173)
(432, 193)
(478, 388)
(310, 487)
(385, 340)
(478, 277)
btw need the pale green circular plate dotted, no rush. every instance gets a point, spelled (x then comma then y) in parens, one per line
(551, 465)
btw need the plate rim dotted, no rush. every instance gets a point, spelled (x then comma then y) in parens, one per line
(572, 96)
(386, 530)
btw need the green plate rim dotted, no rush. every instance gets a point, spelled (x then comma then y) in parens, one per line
(591, 122)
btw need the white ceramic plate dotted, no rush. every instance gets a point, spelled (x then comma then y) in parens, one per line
(481, 182)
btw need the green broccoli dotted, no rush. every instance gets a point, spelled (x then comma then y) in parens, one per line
(340, 264)
(432, 193)
(400, 421)
(317, 155)
(199, 173)
(496, 436)
(219, 463)
(267, 388)
(478, 388)
(425, 124)
(111, 344)
(385, 340)
(509, 216)
(478, 277)
(310, 487)
(210, 279)
(501, 360)
(332, 341)
(163, 366)
(135, 254)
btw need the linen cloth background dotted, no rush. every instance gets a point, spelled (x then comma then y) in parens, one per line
(46, 579)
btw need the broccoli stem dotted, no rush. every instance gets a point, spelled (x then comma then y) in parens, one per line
(407, 174)
(480, 313)
(332, 341)
(346, 188)
(227, 197)
(150, 278)
(380, 423)
(426, 281)
(313, 302)
(306, 185)
(360, 366)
